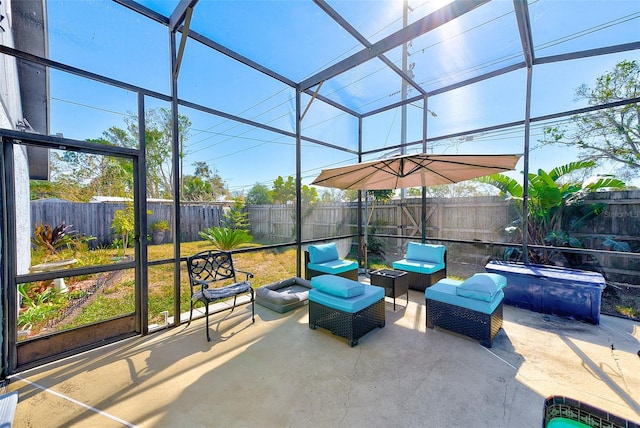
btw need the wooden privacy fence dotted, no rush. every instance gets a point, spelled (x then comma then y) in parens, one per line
(472, 219)
(94, 219)
(480, 218)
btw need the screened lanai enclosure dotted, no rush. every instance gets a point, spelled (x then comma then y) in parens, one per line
(123, 119)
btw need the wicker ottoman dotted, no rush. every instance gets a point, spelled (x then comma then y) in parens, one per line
(348, 316)
(478, 319)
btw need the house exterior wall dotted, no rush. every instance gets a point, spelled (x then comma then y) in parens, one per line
(10, 114)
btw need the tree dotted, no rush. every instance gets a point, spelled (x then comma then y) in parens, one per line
(158, 131)
(237, 217)
(195, 189)
(610, 135)
(554, 205)
(378, 195)
(456, 190)
(331, 195)
(78, 176)
(350, 195)
(204, 185)
(259, 194)
(309, 195)
(283, 191)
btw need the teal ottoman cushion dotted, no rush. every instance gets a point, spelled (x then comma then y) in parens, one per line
(351, 305)
(445, 291)
(337, 286)
(482, 286)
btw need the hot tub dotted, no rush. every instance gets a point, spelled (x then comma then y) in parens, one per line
(564, 292)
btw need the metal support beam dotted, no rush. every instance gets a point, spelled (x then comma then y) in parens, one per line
(9, 259)
(362, 244)
(355, 33)
(184, 8)
(140, 197)
(423, 217)
(521, 8)
(625, 47)
(418, 28)
(299, 267)
(144, 11)
(26, 56)
(403, 98)
(313, 97)
(525, 175)
(183, 41)
(175, 150)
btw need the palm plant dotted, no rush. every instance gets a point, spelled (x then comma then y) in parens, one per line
(554, 205)
(224, 238)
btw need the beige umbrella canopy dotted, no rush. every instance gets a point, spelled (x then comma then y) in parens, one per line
(417, 170)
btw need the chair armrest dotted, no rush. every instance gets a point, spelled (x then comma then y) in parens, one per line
(248, 274)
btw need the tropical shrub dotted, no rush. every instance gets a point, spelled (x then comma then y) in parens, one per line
(375, 246)
(226, 239)
(123, 224)
(554, 209)
(38, 304)
(160, 226)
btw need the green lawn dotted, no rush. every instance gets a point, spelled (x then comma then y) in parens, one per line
(118, 298)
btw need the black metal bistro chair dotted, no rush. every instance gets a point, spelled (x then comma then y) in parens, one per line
(206, 270)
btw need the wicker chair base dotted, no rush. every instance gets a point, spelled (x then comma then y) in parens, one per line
(420, 281)
(351, 326)
(479, 326)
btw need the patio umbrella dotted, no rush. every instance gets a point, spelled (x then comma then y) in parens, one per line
(417, 170)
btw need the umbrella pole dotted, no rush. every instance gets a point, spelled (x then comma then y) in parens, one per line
(423, 220)
(366, 234)
(366, 262)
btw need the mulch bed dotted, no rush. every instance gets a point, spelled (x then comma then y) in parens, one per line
(621, 300)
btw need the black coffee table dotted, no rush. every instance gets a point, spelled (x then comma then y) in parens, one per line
(395, 283)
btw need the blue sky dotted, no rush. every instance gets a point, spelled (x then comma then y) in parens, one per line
(295, 39)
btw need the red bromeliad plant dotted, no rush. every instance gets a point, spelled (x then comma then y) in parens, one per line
(51, 239)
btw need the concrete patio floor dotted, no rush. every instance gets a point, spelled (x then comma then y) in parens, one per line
(279, 373)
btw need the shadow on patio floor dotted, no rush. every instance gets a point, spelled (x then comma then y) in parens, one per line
(278, 372)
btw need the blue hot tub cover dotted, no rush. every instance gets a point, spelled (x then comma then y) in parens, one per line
(565, 292)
